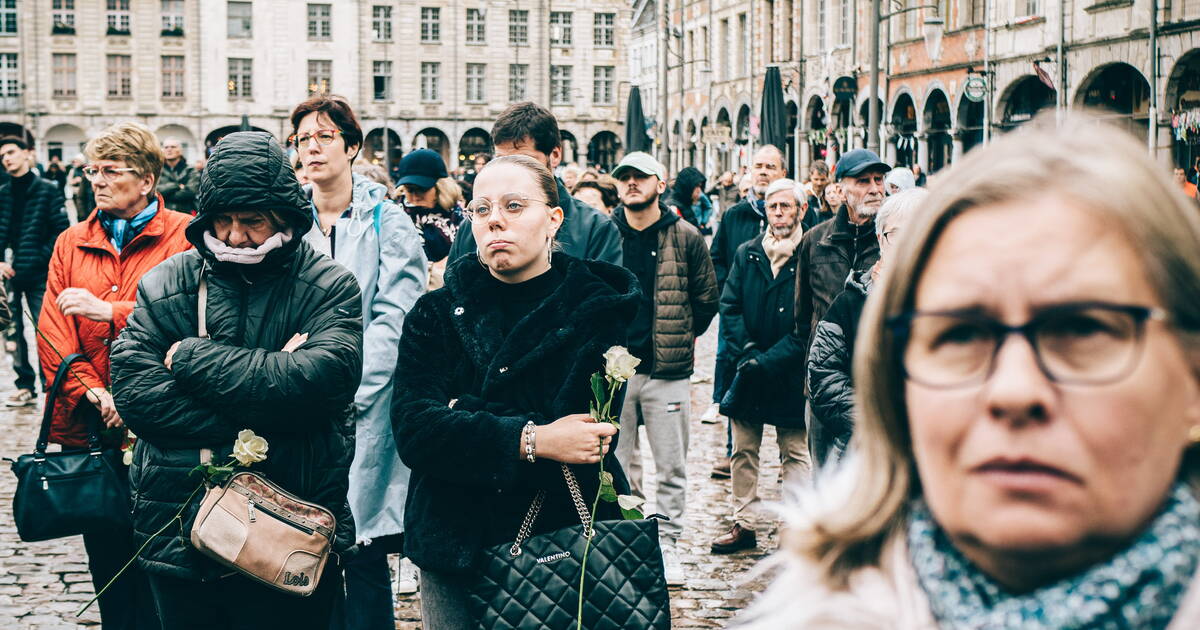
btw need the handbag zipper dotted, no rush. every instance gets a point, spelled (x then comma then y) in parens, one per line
(278, 517)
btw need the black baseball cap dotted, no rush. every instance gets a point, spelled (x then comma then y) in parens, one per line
(422, 168)
(859, 161)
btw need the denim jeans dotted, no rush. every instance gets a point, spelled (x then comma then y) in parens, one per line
(237, 603)
(368, 603)
(22, 365)
(444, 603)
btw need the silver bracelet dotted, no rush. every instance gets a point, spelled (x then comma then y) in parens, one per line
(530, 449)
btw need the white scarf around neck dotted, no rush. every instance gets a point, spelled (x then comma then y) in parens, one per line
(245, 255)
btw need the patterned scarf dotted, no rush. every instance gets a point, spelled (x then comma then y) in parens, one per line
(121, 231)
(1140, 587)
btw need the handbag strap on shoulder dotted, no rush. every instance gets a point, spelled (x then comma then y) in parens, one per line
(536, 507)
(60, 375)
(202, 307)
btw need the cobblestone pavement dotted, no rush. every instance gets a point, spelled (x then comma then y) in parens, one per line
(42, 585)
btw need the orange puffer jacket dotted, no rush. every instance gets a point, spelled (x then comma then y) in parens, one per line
(84, 258)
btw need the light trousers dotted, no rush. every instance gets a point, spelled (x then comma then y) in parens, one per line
(747, 440)
(663, 406)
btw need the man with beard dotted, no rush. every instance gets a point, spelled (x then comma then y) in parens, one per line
(586, 233)
(741, 223)
(32, 215)
(679, 300)
(757, 308)
(829, 253)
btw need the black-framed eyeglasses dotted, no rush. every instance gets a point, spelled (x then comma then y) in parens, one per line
(1076, 343)
(511, 206)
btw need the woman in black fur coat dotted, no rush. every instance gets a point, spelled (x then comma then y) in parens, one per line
(511, 339)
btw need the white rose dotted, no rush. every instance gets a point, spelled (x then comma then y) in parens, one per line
(127, 457)
(249, 448)
(619, 365)
(628, 502)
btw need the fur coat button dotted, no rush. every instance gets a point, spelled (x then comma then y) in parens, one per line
(459, 311)
(503, 370)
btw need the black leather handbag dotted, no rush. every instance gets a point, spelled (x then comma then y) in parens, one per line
(70, 492)
(534, 582)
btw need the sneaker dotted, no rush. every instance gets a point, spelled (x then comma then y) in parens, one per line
(712, 415)
(407, 581)
(738, 538)
(21, 398)
(721, 470)
(671, 566)
(698, 378)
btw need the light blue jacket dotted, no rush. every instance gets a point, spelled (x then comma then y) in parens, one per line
(380, 246)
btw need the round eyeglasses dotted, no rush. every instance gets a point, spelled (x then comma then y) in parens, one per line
(510, 206)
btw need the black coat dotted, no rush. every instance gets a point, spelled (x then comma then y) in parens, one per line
(830, 371)
(756, 313)
(178, 186)
(738, 225)
(238, 379)
(468, 487)
(44, 219)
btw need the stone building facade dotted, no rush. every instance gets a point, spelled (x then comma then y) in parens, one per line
(1005, 53)
(433, 74)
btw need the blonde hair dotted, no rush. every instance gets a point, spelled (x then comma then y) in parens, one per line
(132, 143)
(1083, 160)
(449, 193)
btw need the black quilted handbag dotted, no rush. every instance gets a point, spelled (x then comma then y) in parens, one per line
(534, 582)
(71, 492)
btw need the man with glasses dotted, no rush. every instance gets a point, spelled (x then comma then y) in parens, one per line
(831, 358)
(679, 301)
(757, 307)
(180, 182)
(32, 214)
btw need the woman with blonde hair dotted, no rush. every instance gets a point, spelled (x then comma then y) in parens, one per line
(1029, 415)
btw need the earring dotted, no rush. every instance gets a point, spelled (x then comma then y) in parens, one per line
(550, 250)
(1194, 434)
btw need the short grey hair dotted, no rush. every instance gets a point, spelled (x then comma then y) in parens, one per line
(898, 206)
(782, 184)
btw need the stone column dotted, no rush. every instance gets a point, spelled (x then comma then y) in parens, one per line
(923, 152)
(957, 152)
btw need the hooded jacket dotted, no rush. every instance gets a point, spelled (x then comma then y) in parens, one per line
(379, 244)
(238, 378)
(686, 182)
(830, 373)
(464, 391)
(684, 293)
(85, 258)
(586, 233)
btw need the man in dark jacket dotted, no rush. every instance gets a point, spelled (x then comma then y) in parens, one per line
(831, 358)
(586, 233)
(725, 191)
(757, 308)
(282, 357)
(679, 300)
(818, 208)
(739, 224)
(180, 182)
(32, 215)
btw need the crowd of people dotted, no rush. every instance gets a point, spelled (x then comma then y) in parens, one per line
(985, 393)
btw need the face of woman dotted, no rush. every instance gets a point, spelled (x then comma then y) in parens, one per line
(1019, 463)
(322, 163)
(121, 194)
(593, 198)
(247, 229)
(420, 197)
(513, 245)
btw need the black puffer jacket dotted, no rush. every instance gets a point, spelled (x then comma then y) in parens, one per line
(468, 488)
(830, 373)
(756, 313)
(43, 219)
(238, 379)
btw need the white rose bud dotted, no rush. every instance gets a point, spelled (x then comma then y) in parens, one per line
(127, 457)
(628, 502)
(619, 365)
(249, 448)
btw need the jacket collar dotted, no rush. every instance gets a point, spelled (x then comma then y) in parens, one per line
(763, 264)
(843, 229)
(593, 294)
(95, 237)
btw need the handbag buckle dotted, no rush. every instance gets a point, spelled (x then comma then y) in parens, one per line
(515, 550)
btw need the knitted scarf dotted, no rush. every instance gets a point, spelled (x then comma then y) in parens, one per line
(780, 250)
(245, 255)
(1140, 587)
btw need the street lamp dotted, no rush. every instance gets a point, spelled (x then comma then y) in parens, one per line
(933, 46)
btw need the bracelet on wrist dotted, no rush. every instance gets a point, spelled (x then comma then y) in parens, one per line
(530, 446)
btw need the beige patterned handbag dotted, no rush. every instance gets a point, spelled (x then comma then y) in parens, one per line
(255, 527)
(259, 529)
